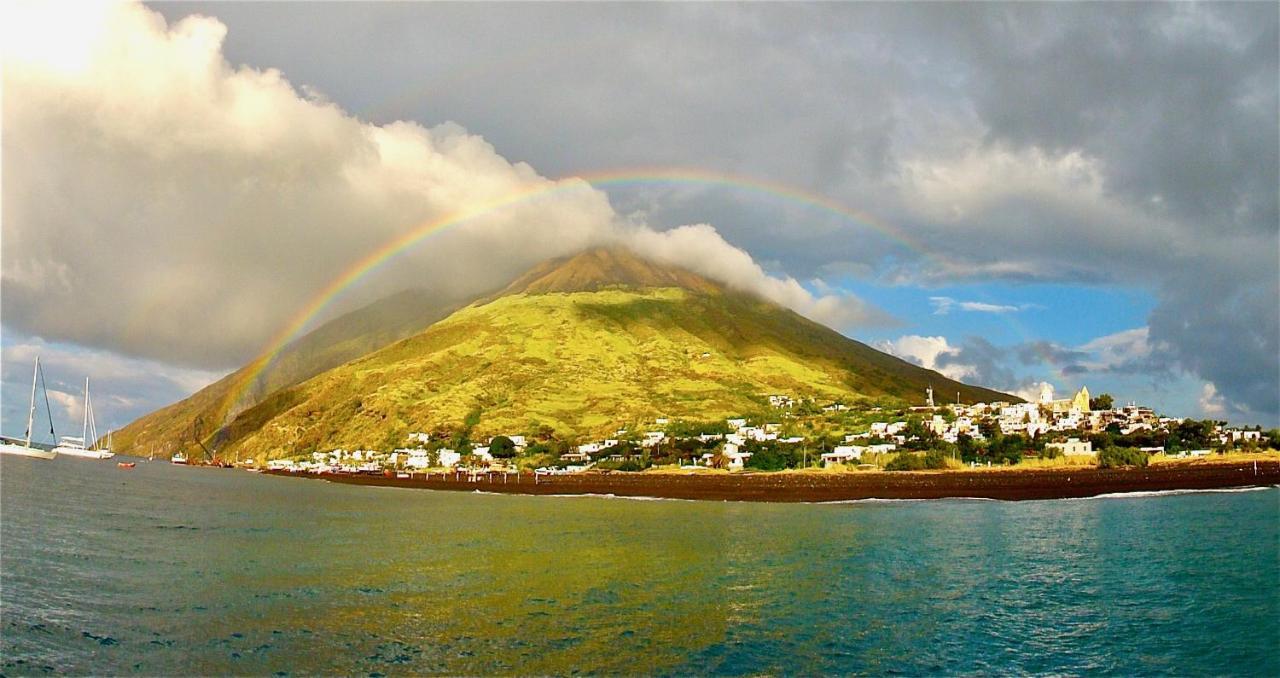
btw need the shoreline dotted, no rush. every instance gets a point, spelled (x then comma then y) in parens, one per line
(1066, 483)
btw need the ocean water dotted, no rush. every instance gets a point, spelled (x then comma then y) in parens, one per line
(165, 570)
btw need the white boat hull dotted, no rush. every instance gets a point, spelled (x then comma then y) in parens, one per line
(24, 451)
(83, 453)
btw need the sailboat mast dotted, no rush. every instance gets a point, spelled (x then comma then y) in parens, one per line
(31, 416)
(84, 434)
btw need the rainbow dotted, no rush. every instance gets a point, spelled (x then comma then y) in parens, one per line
(392, 248)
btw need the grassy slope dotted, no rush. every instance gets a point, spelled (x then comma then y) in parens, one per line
(342, 339)
(584, 363)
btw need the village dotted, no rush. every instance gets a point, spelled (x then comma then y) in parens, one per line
(797, 433)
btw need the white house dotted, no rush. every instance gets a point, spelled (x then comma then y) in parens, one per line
(737, 458)
(885, 429)
(1073, 447)
(842, 454)
(418, 458)
(1236, 435)
(449, 458)
(781, 401)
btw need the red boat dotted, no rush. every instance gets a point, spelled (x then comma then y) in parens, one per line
(126, 464)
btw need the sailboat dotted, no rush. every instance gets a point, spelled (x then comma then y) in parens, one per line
(84, 446)
(26, 450)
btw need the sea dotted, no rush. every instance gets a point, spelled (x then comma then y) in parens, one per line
(171, 570)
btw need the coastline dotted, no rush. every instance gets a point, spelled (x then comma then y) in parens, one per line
(1019, 485)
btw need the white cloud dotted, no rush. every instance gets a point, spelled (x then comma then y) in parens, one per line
(925, 352)
(944, 305)
(160, 202)
(1031, 392)
(72, 405)
(1212, 404)
(701, 249)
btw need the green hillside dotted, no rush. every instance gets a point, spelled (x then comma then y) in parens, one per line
(586, 345)
(344, 338)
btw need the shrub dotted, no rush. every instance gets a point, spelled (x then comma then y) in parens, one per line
(935, 459)
(905, 461)
(1120, 457)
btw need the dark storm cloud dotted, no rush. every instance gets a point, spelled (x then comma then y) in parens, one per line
(1093, 143)
(985, 363)
(1035, 352)
(162, 203)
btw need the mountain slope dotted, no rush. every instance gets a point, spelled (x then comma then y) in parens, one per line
(584, 345)
(344, 338)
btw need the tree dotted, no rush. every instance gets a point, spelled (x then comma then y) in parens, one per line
(1103, 401)
(919, 437)
(1007, 449)
(1190, 434)
(968, 447)
(501, 447)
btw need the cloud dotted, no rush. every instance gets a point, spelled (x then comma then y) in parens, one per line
(944, 305)
(1034, 352)
(701, 249)
(162, 203)
(1031, 392)
(1212, 404)
(1015, 143)
(983, 363)
(932, 353)
(1016, 368)
(72, 406)
(122, 388)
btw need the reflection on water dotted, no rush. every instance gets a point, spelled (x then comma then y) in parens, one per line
(164, 570)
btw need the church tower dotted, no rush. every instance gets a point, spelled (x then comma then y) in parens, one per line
(1081, 401)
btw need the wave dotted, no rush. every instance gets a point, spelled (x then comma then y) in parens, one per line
(881, 500)
(590, 495)
(1170, 493)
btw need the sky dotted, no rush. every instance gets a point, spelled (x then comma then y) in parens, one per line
(1077, 193)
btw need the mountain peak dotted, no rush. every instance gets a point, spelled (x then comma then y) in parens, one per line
(605, 267)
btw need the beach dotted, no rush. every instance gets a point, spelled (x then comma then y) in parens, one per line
(1001, 484)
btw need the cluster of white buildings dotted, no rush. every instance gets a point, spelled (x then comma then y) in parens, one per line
(374, 461)
(1047, 414)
